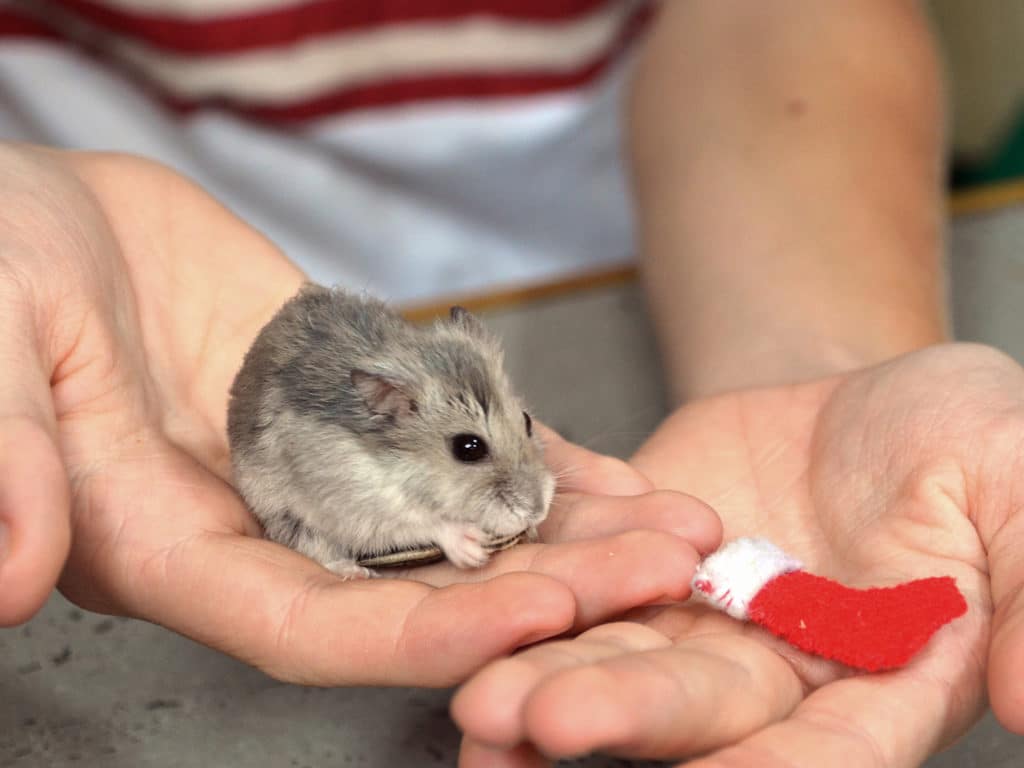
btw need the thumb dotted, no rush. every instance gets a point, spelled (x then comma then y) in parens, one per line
(35, 530)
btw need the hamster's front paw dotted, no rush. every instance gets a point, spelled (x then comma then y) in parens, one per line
(463, 545)
(349, 570)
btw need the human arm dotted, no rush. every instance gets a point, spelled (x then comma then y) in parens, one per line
(908, 469)
(790, 245)
(788, 175)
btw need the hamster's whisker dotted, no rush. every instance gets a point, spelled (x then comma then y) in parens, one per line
(560, 476)
(563, 474)
(566, 472)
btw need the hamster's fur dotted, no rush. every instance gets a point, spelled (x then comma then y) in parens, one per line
(341, 424)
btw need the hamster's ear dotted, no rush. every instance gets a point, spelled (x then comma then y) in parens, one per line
(463, 318)
(383, 396)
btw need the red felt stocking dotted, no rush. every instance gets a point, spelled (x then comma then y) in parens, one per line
(870, 629)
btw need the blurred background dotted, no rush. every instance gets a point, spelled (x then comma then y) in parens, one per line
(984, 46)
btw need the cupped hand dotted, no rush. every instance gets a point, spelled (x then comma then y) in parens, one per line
(128, 298)
(913, 468)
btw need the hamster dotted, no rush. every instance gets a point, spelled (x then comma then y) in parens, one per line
(355, 433)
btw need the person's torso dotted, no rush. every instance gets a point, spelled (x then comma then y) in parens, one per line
(412, 148)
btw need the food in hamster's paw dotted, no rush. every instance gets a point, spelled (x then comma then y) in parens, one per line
(413, 556)
(349, 570)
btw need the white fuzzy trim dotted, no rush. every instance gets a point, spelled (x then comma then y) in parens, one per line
(729, 578)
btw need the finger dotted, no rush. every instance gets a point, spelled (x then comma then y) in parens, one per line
(1006, 650)
(490, 707)
(606, 576)
(279, 611)
(34, 519)
(895, 721)
(577, 516)
(662, 703)
(34, 495)
(583, 471)
(476, 755)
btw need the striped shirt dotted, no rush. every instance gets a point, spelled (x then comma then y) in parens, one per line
(415, 148)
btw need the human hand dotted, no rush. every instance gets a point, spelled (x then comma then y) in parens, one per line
(128, 298)
(909, 469)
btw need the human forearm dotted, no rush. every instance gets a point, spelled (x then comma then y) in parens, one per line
(788, 171)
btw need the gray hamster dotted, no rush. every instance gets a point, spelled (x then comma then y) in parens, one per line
(354, 432)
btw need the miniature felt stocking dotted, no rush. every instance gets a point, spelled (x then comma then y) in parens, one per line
(870, 629)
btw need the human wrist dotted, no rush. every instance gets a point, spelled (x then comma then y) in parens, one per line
(756, 352)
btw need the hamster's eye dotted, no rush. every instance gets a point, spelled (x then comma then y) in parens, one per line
(529, 424)
(469, 448)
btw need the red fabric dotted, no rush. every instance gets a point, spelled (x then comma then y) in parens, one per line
(870, 629)
(407, 91)
(14, 24)
(379, 93)
(295, 23)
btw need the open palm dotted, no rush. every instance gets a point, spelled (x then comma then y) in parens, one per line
(129, 299)
(906, 470)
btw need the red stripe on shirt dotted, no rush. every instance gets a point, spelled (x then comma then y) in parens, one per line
(14, 24)
(385, 93)
(284, 26)
(434, 88)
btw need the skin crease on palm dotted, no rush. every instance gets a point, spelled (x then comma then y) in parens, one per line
(129, 299)
(909, 469)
